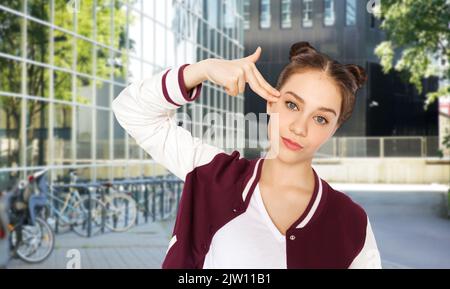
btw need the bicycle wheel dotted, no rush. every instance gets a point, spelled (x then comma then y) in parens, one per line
(71, 217)
(81, 225)
(33, 244)
(121, 212)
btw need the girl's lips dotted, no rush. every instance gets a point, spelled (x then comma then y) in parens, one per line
(291, 145)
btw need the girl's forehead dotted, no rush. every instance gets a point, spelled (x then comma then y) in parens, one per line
(309, 76)
(312, 85)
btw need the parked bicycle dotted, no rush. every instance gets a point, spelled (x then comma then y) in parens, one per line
(158, 197)
(120, 208)
(73, 210)
(4, 234)
(31, 238)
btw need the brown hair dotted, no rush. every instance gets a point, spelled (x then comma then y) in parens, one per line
(348, 77)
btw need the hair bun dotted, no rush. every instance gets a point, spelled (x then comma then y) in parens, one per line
(300, 48)
(358, 72)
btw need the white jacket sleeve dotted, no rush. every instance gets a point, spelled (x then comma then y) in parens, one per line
(369, 257)
(146, 110)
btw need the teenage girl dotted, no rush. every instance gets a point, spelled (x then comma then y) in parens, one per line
(270, 212)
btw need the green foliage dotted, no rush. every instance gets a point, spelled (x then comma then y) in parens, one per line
(420, 28)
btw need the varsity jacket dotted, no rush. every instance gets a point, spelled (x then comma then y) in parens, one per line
(333, 231)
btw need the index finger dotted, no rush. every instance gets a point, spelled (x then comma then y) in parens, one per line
(264, 83)
(258, 88)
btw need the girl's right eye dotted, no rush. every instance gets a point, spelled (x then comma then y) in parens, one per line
(290, 105)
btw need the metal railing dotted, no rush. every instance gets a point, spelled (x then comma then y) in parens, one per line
(373, 147)
(380, 147)
(157, 198)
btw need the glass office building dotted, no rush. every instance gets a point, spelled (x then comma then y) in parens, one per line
(63, 62)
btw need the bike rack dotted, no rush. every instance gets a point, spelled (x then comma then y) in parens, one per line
(138, 187)
(86, 188)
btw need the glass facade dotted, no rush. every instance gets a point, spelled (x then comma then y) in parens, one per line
(329, 13)
(350, 13)
(264, 16)
(63, 62)
(246, 14)
(307, 13)
(286, 11)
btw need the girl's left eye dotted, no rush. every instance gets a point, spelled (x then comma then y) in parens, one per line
(324, 122)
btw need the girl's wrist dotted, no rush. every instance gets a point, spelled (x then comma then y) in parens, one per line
(194, 74)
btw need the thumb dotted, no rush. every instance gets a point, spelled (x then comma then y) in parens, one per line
(255, 56)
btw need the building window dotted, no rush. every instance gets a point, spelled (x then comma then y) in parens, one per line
(350, 13)
(286, 11)
(246, 14)
(212, 13)
(229, 13)
(329, 15)
(307, 20)
(264, 17)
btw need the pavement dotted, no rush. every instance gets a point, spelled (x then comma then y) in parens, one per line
(142, 247)
(410, 224)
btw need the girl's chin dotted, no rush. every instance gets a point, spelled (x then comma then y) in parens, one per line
(287, 155)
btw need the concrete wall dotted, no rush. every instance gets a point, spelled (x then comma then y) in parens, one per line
(384, 170)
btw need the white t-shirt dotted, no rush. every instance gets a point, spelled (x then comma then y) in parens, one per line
(252, 241)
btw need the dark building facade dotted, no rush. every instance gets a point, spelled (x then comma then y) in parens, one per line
(347, 32)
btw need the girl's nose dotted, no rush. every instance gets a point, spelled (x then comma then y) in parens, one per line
(299, 128)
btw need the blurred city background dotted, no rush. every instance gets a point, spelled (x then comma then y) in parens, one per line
(63, 62)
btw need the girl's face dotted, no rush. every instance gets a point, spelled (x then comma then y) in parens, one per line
(308, 111)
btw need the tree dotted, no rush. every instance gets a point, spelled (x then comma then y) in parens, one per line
(420, 29)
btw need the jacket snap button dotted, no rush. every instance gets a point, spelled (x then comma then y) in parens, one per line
(235, 210)
(292, 237)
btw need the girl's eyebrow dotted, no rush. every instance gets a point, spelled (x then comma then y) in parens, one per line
(303, 101)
